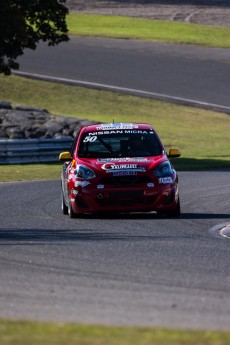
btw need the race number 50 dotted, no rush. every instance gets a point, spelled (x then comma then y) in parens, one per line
(90, 139)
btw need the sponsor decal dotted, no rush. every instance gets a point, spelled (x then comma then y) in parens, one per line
(124, 173)
(81, 183)
(100, 186)
(122, 159)
(150, 185)
(74, 192)
(116, 125)
(111, 167)
(165, 180)
(116, 131)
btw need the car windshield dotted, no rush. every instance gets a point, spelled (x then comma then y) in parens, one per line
(120, 144)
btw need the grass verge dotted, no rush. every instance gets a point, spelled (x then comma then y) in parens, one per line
(29, 172)
(36, 333)
(145, 29)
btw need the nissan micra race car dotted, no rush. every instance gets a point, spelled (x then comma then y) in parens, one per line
(119, 167)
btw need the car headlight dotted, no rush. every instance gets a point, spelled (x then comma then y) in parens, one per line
(163, 169)
(84, 172)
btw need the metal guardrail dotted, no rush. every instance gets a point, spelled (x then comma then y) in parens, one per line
(22, 151)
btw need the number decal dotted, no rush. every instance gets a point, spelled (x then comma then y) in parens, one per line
(90, 139)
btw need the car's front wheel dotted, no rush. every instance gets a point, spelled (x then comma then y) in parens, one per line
(175, 213)
(71, 212)
(63, 206)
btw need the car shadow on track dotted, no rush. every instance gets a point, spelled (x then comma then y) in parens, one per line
(205, 216)
(153, 215)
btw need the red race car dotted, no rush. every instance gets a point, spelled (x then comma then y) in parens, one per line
(119, 167)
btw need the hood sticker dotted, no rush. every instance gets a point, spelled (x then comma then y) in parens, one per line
(111, 167)
(122, 159)
(124, 173)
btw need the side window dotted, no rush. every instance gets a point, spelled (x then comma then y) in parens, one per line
(74, 143)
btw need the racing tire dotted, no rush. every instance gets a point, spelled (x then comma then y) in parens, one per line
(63, 206)
(176, 212)
(71, 212)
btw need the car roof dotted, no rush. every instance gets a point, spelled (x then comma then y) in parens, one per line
(117, 126)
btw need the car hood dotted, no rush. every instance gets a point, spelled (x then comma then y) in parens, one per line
(135, 164)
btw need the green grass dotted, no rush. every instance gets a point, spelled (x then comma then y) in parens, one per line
(145, 29)
(38, 333)
(28, 172)
(201, 135)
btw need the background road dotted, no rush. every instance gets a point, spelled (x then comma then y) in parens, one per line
(127, 269)
(188, 72)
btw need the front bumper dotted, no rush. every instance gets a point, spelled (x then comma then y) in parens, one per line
(124, 199)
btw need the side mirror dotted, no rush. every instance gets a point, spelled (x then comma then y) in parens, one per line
(174, 153)
(65, 157)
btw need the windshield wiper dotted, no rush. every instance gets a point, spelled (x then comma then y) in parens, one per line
(107, 146)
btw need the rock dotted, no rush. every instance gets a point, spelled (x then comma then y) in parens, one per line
(34, 123)
(5, 105)
(15, 133)
(3, 134)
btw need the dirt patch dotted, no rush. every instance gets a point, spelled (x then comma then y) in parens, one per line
(212, 12)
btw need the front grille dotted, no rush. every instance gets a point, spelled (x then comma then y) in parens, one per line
(125, 180)
(126, 195)
(126, 199)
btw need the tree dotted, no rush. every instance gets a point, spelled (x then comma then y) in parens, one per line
(23, 23)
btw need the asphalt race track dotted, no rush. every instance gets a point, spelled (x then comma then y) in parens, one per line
(186, 72)
(135, 269)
